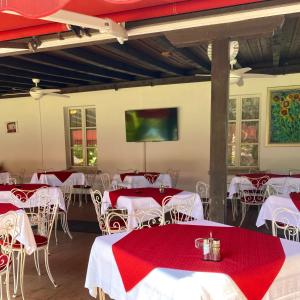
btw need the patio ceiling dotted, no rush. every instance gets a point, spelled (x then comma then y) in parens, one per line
(143, 61)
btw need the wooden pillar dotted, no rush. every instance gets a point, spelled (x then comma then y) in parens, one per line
(218, 132)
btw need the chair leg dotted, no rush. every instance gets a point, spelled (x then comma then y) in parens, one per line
(65, 225)
(46, 254)
(7, 285)
(22, 267)
(101, 294)
(244, 211)
(55, 229)
(36, 262)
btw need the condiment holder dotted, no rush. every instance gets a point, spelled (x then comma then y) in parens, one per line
(211, 248)
(161, 188)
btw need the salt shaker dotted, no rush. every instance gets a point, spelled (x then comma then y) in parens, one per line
(161, 189)
(216, 250)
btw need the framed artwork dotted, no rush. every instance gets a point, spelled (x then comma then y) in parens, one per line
(283, 126)
(11, 127)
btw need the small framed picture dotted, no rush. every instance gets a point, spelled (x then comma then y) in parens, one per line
(11, 127)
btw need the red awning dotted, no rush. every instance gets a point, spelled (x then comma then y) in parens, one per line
(25, 24)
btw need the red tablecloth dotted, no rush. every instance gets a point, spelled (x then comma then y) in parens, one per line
(150, 176)
(6, 207)
(296, 175)
(142, 192)
(296, 199)
(251, 259)
(23, 196)
(61, 175)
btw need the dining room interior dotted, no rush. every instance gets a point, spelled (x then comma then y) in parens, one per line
(125, 124)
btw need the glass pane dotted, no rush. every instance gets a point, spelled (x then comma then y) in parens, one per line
(249, 155)
(92, 156)
(75, 117)
(91, 137)
(231, 133)
(90, 114)
(77, 156)
(250, 132)
(250, 108)
(232, 109)
(231, 155)
(76, 137)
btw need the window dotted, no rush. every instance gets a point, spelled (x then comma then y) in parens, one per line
(243, 127)
(82, 136)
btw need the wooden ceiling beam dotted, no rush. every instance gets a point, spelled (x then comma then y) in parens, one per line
(20, 81)
(234, 30)
(276, 47)
(78, 68)
(94, 59)
(200, 62)
(15, 63)
(136, 55)
(5, 71)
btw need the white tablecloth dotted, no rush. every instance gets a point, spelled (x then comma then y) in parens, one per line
(141, 181)
(283, 181)
(271, 204)
(54, 193)
(133, 204)
(171, 284)
(51, 179)
(4, 177)
(25, 234)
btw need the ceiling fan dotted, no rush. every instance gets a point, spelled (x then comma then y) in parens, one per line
(236, 76)
(37, 92)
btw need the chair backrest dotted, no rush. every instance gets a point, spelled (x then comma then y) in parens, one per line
(148, 217)
(202, 189)
(178, 209)
(105, 181)
(174, 176)
(274, 189)
(96, 196)
(116, 221)
(287, 222)
(8, 232)
(67, 191)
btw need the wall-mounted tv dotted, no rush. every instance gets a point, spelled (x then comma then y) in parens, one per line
(151, 125)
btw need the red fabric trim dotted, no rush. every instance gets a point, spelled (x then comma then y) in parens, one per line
(33, 9)
(141, 193)
(40, 240)
(296, 199)
(247, 256)
(150, 176)
(61, 175)
(6, 207)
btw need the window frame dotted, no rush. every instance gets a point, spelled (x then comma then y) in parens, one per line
(238, 120)
(84, 141)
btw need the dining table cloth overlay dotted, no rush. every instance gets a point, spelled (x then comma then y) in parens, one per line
(275, 202)
(141, 179)
(59, 178)
(24, 232)
(277, 179)
(35, 191)
(163, 263)
(246, 255)
(142, 192)
(4, 177)
(149, 198)
(296, 199)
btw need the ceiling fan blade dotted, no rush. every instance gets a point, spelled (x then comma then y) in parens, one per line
(48, 91)
(257, 75)
(202, 75)
(57, 95)
(240, 71)
(12, 94)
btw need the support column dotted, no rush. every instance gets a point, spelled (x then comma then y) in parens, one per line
(218, 131)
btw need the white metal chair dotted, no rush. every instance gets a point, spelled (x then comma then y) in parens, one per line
(67, 191)
(274, 189)
(8, 232)
(174, 176)
(253, 194)
(202, 189)
(178, 209)
(104, 226)
(287, 222)
(105, 181)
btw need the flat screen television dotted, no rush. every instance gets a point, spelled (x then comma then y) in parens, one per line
(151, 125)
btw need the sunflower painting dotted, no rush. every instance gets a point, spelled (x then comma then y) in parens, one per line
(284, 116)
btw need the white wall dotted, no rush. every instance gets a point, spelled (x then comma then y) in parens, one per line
(190, 154)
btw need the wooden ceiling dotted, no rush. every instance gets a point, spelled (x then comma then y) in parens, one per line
(146, 61)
